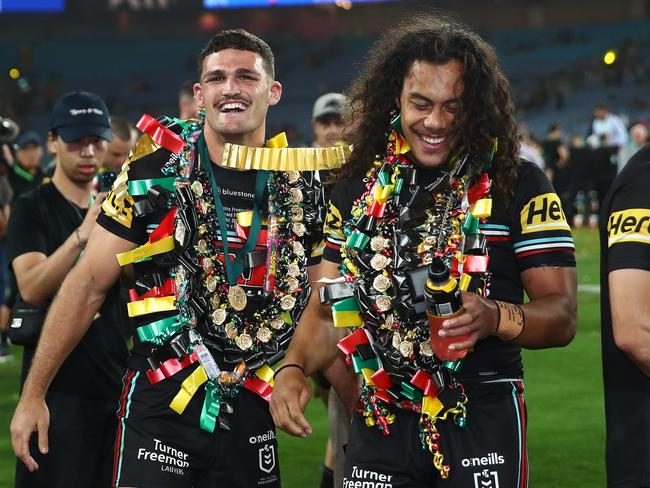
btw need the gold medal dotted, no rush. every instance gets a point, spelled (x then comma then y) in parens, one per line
(207, 265)
(381, 283)
(277, 323)
(388, 321)
(237, 298)
(296, 214)
(293, 176)
(298, 248)
(197, 188)
(384, 303)
(293, 270)
(211, 283)
(296, 195)
(299, 228)
(219, 316)
(180, 276)
(215, 300)
(244, 341)
(264, 334)
(293, 284)
(425, 349)
(379, 262)
(231, 331)
(202, 246)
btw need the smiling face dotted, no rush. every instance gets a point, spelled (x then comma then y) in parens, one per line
(236, 91)
(429, 104)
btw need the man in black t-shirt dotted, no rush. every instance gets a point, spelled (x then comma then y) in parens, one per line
(48, 229)
(438, 188)
(625, 281)
(194, 409)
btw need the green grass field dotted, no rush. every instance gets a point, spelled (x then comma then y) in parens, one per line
(563, 390)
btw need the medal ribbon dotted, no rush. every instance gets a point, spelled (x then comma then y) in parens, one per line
(235, 267)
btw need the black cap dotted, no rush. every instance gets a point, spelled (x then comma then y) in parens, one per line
(28, 137)
(438, 271)
(80, 114)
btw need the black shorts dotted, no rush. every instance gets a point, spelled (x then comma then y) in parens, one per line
(489, 452)
(157, 447)
(81, 436)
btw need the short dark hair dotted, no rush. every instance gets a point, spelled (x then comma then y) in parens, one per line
(121, 128)
(243, 41)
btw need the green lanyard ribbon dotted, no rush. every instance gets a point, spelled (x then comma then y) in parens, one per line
(235, 267)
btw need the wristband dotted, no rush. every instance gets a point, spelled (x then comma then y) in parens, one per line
(289, 365)
(511, 321)
(82, 244)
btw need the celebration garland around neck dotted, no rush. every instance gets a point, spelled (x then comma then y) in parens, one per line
(393, 231)
(211, 313)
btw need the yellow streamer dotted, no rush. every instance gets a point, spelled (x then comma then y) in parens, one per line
(146, 250)
(464, 281)
(265, 373)
(482, 208)
(188, 388)
(278, 141)
(367, 376)
(151, 305)
(431, 406)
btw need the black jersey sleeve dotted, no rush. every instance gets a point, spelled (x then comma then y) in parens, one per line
(628, 226)
(339, 210)
(541, 235)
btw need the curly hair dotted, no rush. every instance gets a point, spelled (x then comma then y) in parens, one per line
(486, 106)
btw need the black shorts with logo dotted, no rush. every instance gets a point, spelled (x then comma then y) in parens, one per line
(489, 452)
(156, 447)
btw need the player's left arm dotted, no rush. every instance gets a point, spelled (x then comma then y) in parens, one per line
(628, 297)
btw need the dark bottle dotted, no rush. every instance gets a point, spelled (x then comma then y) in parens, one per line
(443, 301)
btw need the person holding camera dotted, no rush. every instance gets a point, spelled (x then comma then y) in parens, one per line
(48, 230)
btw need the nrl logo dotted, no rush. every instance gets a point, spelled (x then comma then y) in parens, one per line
(267, 458)
(486, 479)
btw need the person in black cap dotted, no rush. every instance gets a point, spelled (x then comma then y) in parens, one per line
(327, 119)
(48, 230)
(27, 172)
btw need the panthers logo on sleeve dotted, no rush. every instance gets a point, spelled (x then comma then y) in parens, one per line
(543, 213)
(630, 225)
(334, 228)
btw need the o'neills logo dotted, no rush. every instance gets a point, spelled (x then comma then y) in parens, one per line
(543, 212)
(171, 460)
(492, 459)
(630, 225)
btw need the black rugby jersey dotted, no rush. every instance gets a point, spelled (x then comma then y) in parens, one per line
(531, 232)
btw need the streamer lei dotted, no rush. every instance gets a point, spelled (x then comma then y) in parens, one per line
(391, 232)
(193, 280)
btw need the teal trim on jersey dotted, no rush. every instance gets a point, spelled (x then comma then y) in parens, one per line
(493, 227)
(126, 415)
(543, 241)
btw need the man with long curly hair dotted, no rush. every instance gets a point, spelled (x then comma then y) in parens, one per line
(435, 180)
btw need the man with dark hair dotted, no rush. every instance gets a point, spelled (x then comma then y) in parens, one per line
(216, 259)
(441, 193)
(124, 137)
(625, 311)
(48, 230)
